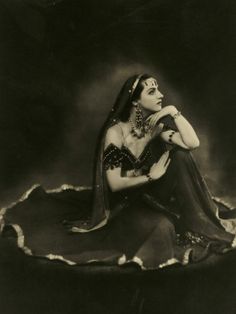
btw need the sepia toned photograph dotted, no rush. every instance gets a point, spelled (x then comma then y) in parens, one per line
(118, 167)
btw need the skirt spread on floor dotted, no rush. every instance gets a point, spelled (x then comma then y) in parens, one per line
(172, 220)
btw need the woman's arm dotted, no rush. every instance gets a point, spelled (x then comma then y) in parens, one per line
(115, 181)
(185, 129)
(173, 137)
(185, 137)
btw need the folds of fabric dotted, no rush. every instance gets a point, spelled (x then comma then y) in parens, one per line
(140, 232)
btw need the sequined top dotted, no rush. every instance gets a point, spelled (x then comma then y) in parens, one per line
(122, 157)
(115, 157)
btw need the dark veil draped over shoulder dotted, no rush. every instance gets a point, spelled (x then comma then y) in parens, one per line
(100, 210)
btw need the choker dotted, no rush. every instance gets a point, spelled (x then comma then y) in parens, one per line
(139, 132)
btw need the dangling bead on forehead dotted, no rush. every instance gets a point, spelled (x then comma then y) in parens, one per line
(150, 82)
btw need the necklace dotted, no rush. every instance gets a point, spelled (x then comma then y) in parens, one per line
(139, 132)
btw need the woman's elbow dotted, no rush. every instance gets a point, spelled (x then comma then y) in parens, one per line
(114, 180)
(194, 144)
(115, 185)
(114, 188)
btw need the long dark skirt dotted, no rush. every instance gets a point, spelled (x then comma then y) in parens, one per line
(173, 219)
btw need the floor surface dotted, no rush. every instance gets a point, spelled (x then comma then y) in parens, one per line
(30, 285)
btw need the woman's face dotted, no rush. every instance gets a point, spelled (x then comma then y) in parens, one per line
(150, 97)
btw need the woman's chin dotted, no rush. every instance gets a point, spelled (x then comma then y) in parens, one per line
(157, 108)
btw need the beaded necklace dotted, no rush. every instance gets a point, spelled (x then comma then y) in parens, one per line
(139, 132)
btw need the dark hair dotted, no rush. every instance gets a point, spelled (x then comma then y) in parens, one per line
(124, 115)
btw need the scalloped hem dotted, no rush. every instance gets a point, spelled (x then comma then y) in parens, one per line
(122, 260)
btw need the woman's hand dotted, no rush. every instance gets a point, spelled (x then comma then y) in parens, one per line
(159, 168)
(155, 117)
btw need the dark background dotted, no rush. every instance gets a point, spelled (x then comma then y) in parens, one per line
(62, 65)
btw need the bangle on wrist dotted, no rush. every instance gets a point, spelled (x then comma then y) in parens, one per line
(150, 179)
(176, 115)
(170, 137)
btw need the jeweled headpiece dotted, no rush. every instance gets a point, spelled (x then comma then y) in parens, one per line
(131, 91)
(150, 82)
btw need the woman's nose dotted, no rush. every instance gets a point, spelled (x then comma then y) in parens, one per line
(159, 95)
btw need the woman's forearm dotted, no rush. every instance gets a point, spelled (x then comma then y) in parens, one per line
(157, 170)
(186, 131)
(121, 183)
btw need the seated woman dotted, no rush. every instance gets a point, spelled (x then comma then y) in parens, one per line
(149, 203)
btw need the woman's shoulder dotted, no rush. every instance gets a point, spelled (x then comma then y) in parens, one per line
(115, 130)
(114, 135)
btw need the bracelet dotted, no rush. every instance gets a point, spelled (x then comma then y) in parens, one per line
(176, 115)
(150, 179)
(170, 137)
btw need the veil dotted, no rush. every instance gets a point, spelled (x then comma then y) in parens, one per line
(100, 207)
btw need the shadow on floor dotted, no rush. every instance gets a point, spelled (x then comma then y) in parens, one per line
(31, 285)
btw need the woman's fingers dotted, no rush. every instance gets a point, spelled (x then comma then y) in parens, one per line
(158, 169)
(152, 116)
(151, 123)
(163, 159)
(167, 163)
(153, 166)
(166, 153)
(165, 156)
(153, 119)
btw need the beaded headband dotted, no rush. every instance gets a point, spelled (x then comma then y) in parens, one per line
(131, 91)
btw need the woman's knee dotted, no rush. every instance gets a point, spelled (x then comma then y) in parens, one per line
(181, 153)
(180, 156)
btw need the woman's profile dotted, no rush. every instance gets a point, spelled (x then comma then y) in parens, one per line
(149, 204)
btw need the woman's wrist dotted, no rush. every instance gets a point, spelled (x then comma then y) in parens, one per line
(171, 110)
(149, 177)
(176, 115)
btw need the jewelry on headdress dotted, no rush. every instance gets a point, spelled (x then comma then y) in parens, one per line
(151, 82)
(131, 91)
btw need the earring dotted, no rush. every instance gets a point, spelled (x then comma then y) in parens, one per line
(139, 121)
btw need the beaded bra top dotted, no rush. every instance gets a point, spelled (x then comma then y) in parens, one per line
(115, 157)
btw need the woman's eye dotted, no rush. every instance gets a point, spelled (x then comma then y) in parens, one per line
(151, 92)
